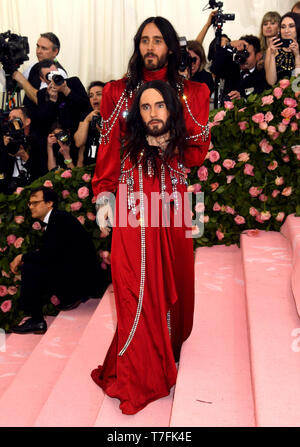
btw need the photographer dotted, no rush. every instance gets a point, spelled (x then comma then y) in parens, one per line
(237, 63)
(87, 135)
(58, 149)
(21, 158)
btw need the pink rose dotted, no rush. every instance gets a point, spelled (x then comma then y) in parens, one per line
(65, 193)
(280, 216)
(273, 165)
(265, 215)
(290, 102)
(259, 219)
(229, 179)
(4, 274)
(214, 186)
(258, 118)
(217, 169)
(228, 105)
(275, 136)
(248, 169)
(253, 211)
(86, 178)
(243, 109)
(275, 193)
(286, 159)
(296, 149)
(287, 191)
(239, 220)
(271, 130)
(266, 100)
(282, 127)
(269, 117)
(48, 184)
(75, 206)
(36, 225)
(11, 239)
(200, 207)
(288, 113)
(19, 219)
(12, 290)
(216, 207)
(263, 126)
(83, 192)
(219, 235)
(228, 163)
(284, 83)
(18, 190)
(229, 210)
(254, 191)
(294, 127)
(243, 125)
(18, 242)
(2, 250)
(196, 187)
(54, 300)
(220, 115)
(3, 291)
(67, 173)
(202, 173)
(279, 181)
(90, 216)
(6, 306)
(206, 219)
(81, 219)
(243, 156)
(277, 92)
(265, 146)
(214, 156)
(263, 198)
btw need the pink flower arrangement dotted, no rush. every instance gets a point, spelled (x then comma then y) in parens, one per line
(275, 193)
(213, 156)
(282, 127)
(18, 190)
(279, 181)
(217, 169)
(86, 178)
(36, 226)
(18, 242)
(265, 215)
(273, 165)
(294, 127)
(228, 163)
(66, 174)
(220, 115)
(3, 291)
(287, 191)
(258, 118)
(265, 146)
(220, 235)
(202, 173)
(216, 207)
(228, 105)
(280, 216)
(269, 117)
(243, 125)
(12, 290)
(277, 92)
(284, 83)
(253, 211)
(271, 130)
(6, 306)
(243, 156)
(229, 210)
(288, 113)
(48, 184)
(65, 193)
(263, 198)
(214, 186)
(248, 169)
(75, 206)
(267, 100)
(263, 126)
(196, 187)
(254, 191)
(11, 239)
(19, 219)
(240, 220)
(229, 179)
(83, 192)
(200, 207)
(290, 102)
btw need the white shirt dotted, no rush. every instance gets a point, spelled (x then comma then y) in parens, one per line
(46, 218)
(43, 84)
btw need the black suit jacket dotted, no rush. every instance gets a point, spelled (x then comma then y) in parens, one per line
(68, 254)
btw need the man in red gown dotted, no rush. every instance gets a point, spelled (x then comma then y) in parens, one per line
(152, 265)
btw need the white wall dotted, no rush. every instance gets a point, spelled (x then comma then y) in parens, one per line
(96, 35)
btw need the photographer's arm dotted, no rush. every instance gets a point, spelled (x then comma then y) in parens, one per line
(270, 65)
(51, 159)
(203, 32)
(30, 91)
(81, 134)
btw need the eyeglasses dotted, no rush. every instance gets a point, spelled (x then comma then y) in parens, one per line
(34, 202)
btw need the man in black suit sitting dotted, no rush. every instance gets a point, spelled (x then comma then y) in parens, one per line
(65, 265)
(242, 77)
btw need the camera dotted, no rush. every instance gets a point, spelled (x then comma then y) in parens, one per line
(13, 51)
(238, 56)
(96, 121)
(219, 18)
(56, 77)
(186, 60)
(63, 137)
(14, 130)
(285, 43)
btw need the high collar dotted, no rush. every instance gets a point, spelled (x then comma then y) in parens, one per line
(160, 75)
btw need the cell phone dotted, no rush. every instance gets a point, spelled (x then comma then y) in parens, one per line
(285, 42)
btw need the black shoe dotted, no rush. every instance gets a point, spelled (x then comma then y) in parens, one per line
(68, 306)
(30, 327)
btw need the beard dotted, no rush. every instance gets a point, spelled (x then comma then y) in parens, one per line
(156, 63)
(157, 130)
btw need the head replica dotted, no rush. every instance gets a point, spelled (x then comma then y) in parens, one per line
(141, 123)
(170, 37)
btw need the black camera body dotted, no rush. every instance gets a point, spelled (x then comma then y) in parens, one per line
(56, 77)
(96, 121)
(219, 18)
(14, 130)
(186, 60)
(285, 42)
(238, 56)
(63, 137)
(13, 51)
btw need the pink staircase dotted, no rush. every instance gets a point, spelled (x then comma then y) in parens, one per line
(239, 367)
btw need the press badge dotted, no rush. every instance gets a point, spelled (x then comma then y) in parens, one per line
(93, 150)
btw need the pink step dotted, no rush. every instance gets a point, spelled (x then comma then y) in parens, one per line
(17, 350)
(22, 401)
(273, 319)
(75, 399)
(214, 388)
(291, 230)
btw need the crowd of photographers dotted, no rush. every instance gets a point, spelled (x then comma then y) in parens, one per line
(58, 125)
